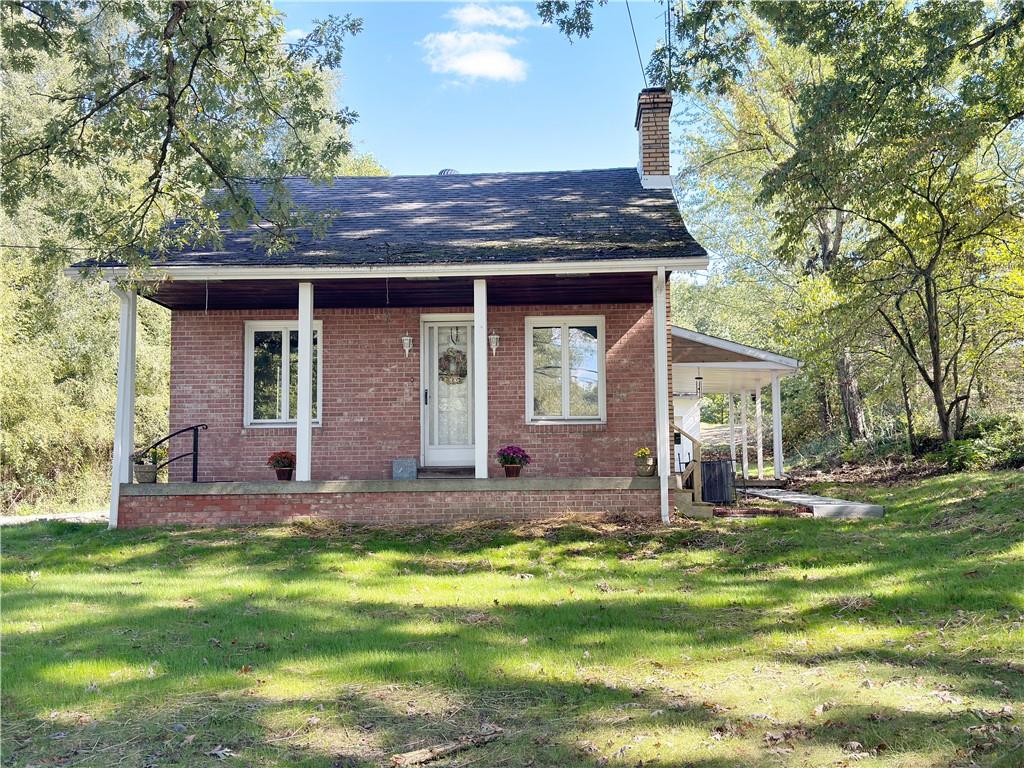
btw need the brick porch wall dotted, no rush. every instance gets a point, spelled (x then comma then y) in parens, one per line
(371, 398)
(401, 508)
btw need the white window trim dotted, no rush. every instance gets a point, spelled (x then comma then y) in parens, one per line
(546, 321)
(251, 326)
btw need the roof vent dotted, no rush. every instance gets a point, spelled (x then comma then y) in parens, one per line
(448, 172)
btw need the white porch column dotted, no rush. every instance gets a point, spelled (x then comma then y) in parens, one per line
(732, 429)
(304, 400)
(124, 413)
(661, 414)
(481, 446)
(743, 433)
(760, 433)
(777, 426)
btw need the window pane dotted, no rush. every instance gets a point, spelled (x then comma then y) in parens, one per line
(453, 387)
(547, 372)
(583, 380)
(266, 374)
(293, 375)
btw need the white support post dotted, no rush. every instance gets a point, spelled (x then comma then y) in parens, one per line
(481, 447)
(777, 426)
(304, 400)
(758, 429)
(124, 413)
(732, 429)
(661, 405)
(743, 433)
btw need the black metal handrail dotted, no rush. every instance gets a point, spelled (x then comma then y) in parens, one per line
(194, 453)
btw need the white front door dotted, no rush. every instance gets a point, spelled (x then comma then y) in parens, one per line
(447, 396)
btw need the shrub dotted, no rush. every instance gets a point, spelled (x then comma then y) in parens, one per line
(993, 443)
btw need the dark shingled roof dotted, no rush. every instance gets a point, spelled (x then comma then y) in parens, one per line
(558, 216)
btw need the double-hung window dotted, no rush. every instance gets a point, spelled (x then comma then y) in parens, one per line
(565, 378)
(272, 372)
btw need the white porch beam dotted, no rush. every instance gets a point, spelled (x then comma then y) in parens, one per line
(661, 404)
(304, 400)
(124, 413)
(759, 431)
(732, 429)
(480, 441)
(777, 426)
(744, 437)
(341, 272)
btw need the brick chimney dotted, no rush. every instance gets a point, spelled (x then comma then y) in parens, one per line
(653, 107)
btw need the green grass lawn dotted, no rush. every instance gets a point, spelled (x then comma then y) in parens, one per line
(722, 643)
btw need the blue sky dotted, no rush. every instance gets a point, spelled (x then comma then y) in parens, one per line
(484, 87)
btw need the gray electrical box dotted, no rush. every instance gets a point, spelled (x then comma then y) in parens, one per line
(403, 469)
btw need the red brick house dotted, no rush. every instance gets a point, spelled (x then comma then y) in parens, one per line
(437, 319)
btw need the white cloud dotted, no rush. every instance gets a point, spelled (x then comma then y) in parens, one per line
(294, 35)
(505, 16)
(474, 55)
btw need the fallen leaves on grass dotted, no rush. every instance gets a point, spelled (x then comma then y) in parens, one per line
(476, 619)
(854, 603)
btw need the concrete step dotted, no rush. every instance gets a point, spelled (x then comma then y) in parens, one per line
(820, 506)
(687, 507)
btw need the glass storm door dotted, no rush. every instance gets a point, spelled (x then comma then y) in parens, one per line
(447, 394)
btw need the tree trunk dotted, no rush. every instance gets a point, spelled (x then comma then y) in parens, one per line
(907, 410)
(849, 395)
(824, 407)
(937, 379)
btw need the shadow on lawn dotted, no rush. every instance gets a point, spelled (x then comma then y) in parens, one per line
(420, 693)
(431, 673)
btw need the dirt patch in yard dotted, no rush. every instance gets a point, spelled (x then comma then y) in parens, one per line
(886, 473)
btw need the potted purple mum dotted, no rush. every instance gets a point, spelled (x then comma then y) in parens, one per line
(513, 459)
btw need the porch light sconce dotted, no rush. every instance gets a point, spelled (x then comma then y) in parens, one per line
(698, 385)
(407, 344)
(494, 338)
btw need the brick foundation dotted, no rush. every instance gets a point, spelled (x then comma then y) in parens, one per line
(388, 508)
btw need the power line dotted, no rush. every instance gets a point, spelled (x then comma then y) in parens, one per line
(668, 41)
(639, 58)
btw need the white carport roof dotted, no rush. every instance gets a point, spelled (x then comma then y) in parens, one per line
(726, 366)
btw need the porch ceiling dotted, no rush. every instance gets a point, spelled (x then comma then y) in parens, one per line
(401, 292)
(727, 378)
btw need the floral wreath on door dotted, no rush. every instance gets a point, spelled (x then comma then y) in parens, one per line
(452, 366)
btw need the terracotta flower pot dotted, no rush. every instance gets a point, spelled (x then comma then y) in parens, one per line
(284, 473)
(646, 466)
(145, 473)
(513, 470)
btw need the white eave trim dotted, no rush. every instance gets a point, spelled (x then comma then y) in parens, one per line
(732, 346)
(602, 266)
